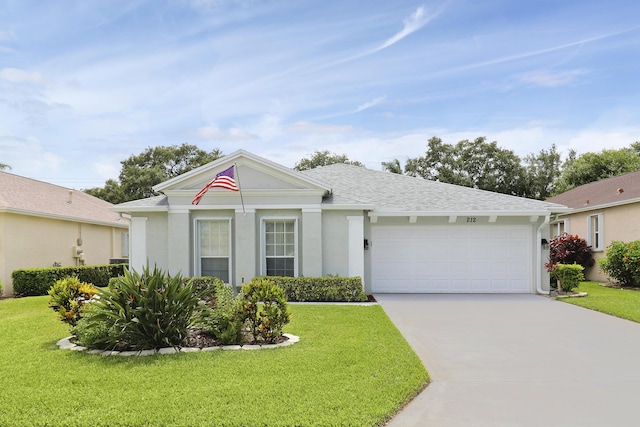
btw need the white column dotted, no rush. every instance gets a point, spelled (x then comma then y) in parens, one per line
(356, 246)
(138, 242)
(311, 243)
(179, 238)
(245, 249)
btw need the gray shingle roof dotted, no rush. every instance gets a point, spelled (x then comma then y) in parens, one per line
(388, 191)
(150, 202)
(29, 196)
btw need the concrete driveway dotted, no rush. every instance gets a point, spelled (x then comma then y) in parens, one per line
(518, 360)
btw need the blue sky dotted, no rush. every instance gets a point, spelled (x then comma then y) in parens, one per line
(86, 84)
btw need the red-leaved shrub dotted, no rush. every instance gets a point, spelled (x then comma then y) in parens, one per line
(569, 249)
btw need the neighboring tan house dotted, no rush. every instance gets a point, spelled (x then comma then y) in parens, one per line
(42, 225)
(399, 233)
(601, 212)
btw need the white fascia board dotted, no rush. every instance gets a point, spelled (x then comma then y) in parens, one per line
(347, 207)
(248, 208)
(253, 193)
(131, 209)
(383, 213)
(124, 224)
(602, 206)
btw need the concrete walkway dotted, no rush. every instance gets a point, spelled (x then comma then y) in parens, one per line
(518, 360)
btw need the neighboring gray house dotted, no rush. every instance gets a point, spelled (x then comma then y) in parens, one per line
(399, 233)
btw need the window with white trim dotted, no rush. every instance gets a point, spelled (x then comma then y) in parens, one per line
(280, 243)
(124, 244)
(595, 234)
(213, 248)
(559, 227)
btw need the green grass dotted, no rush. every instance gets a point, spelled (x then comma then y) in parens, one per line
(351, 368)
(624, 303)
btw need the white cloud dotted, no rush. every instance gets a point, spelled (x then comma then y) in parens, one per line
(317, 128)
(7, 35)
(549, 79)
(27, 156)
(14, 75)
(370, 104)
(215, 133)
(412, 24)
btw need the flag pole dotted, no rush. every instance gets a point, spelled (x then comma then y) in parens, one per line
(240, 188)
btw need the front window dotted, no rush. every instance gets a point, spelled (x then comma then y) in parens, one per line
(280, 247)
(214, 248)
(595, 226)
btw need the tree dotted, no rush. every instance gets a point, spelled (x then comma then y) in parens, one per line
(392, 166)
(139, 173)
(4, 167)
(542, 172)
(476, 164)
(590, 167)
(323, 158)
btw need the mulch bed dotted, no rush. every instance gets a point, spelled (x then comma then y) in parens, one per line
(199, 338)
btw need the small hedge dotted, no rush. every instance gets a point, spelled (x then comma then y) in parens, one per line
(569, 276)
(325, 289)
(37, 281)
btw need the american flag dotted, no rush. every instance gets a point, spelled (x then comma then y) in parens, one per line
(222, 180)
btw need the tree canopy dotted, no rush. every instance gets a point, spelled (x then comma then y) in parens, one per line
(486, 166)
(589, 167)
(323, 158)
(476, 164)
(4, 166)
(139, 173)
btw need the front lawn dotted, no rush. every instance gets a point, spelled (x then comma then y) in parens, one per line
(624, 303)
(351, 367)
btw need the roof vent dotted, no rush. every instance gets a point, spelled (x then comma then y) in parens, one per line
(70, 200)
(586, 203)
(620, 190)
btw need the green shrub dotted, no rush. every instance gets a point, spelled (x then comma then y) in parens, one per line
(149, 310)
(38, 281)
(222, 316)
(622, 262)
(265, 310)
(569, 249)
(569, 276)
(207, 286)
(68, 296)
(326, 288)
(94, 334)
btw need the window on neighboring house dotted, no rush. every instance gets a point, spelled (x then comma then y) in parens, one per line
(557, 228)
(214, 248)
(280, 241)
(595, 235)
(124, 244)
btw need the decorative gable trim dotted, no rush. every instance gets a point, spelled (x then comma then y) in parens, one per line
(204, 173)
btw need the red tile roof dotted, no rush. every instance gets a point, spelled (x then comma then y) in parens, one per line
(611, 190)
(32, 197)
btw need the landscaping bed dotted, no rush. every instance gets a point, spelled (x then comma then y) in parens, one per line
(351, 367)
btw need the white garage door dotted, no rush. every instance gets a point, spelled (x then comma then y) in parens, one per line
(453, 259)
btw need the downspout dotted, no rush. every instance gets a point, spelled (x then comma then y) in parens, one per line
(545, 223)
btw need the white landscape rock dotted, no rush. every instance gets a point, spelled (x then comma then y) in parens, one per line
(66, 344)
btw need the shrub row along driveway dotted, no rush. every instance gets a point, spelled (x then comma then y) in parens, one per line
(518, 360)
